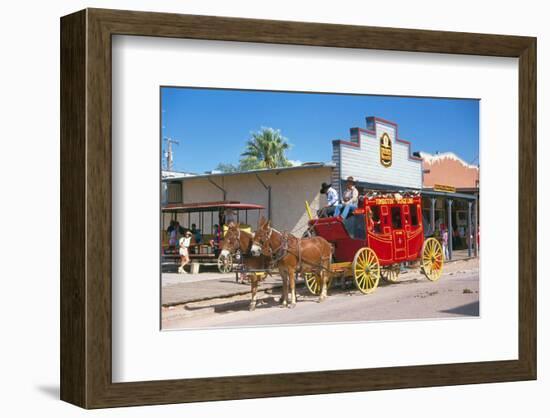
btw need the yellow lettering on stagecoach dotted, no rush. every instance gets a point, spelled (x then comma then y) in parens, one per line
(391, 201)
(385, 201)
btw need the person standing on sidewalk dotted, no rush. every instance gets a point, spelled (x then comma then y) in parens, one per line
(445, 242)
(184, 244)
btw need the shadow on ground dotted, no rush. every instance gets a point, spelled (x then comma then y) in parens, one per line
(470, 309)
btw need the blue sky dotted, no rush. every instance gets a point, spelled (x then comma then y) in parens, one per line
(212, 125)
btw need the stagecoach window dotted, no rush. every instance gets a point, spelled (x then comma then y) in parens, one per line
(375, 213)
(414, 215)
(376, 219)
(396, 217)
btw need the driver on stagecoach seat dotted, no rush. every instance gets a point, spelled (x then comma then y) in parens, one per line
(332, 200)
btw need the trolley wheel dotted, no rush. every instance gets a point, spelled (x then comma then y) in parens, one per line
(313, 283)
(391, 274)
(432, 259)
(225, 263)
(366, 270)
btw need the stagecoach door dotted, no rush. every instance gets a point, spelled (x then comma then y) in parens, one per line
(399, 237)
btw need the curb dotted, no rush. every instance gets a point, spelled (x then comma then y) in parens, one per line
(225, 295)
(219, 309)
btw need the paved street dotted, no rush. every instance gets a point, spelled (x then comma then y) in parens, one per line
(456, 294)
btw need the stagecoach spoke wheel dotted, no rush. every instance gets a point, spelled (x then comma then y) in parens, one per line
(313, 283)
(225, 263)
(432, 259)
(366, 270)
(391, 274)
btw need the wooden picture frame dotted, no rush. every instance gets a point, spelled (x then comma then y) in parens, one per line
(86, 361)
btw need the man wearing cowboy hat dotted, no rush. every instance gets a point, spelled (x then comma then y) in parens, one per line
(332, 200)
(349, 199)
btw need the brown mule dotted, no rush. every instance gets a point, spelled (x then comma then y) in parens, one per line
(235, 239)
(293, 255)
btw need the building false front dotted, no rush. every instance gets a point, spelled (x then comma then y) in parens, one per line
(377, 158)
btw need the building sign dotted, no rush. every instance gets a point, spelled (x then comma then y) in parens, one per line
(385, 150)
(444, 188)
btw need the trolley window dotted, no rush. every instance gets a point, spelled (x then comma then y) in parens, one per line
(413, 210)
(396, 219)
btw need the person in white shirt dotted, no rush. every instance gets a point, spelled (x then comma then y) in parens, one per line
(350, 199)
(332, 200)
(184, 243)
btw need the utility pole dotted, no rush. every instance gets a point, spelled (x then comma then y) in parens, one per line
(168, 154)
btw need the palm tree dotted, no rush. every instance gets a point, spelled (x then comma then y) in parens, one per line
(268, 148)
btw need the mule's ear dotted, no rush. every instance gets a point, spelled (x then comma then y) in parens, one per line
(261, 221)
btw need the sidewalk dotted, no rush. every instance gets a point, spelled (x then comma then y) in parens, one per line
(461, 255)
(183, 288)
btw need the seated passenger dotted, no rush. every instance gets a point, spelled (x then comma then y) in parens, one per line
(349, 199)
(372, 224)
(332, 200)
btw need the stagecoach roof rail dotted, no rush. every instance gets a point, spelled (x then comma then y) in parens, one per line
(370, 190)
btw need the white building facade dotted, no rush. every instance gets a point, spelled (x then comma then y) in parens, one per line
(282, 191)
(377, 158)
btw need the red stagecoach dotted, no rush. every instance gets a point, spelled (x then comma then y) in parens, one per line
(384, 231)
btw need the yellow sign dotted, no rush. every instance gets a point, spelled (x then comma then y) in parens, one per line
(444, 188)
(392, 201)
(385, 150)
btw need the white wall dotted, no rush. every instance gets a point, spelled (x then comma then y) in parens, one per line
(30, 279)
(289, 191)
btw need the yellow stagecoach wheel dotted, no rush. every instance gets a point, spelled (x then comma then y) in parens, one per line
(366, 270)
(313, 283)
(432, 259)
(391, 274)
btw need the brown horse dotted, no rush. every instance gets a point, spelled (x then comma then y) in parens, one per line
(239, 240)
(292, 255)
